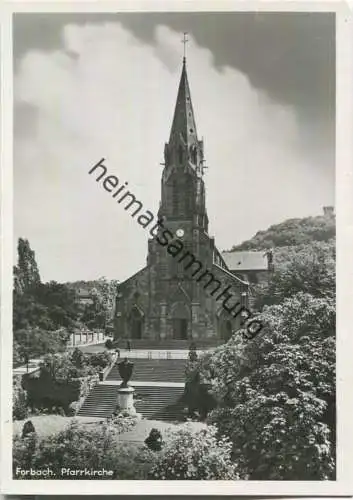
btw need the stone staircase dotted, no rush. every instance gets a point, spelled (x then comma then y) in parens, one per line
(159, 403)
(153, 401)
(154, 370)
(100, 402)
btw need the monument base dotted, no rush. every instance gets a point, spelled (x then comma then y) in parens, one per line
(126, 400)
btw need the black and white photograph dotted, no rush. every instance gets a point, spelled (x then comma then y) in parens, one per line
(174, 248)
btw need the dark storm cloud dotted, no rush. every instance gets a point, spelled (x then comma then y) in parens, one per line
(290, 56)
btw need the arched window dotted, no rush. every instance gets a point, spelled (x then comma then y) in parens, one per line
(136, 323)
(188, 195)
(181, 154)
(193, 154)
(175, 197)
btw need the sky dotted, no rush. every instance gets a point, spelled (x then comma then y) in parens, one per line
(92, 86)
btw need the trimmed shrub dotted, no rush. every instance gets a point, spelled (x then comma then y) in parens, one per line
(27, 429)
(109, 344)
(154, 441)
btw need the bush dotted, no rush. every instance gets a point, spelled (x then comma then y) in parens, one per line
(154, 440)
(23, 450)
(78, 358)
(58, 385)
(100, 359)
(91, 445)
(109, 344)
(19, 409)
(197, 396)
(187, 454)
(28, 428)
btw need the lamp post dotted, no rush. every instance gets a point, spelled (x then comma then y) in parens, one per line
(27, 351)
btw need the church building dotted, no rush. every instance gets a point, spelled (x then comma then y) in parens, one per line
(193, 296)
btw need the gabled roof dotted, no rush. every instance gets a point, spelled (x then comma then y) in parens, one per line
(246, 260)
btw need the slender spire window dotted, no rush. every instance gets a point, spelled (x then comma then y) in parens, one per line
(175, 197)
(180, 154)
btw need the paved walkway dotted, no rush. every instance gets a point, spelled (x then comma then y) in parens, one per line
(142, 429)
(33, 365)
(47, 425)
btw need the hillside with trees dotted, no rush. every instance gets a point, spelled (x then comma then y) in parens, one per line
(292, 232)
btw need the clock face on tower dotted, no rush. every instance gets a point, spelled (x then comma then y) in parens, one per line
(180, 233)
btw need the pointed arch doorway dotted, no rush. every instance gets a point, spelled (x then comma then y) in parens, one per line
(225, 327)
(181, 318)
(136, 323)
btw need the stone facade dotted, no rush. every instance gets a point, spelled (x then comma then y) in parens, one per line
(186, 290)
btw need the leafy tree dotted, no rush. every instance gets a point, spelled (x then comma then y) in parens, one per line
(100, 312)
(302, 268)
(35, 342)
(276, 394)
(187, 454)
(78, 358)
(26, 273)
(62, 367)
(43, 313)
(28, 312)
(60, 302)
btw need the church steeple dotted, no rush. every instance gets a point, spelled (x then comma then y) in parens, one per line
(184, 147)
(184, 119)
(183, 189)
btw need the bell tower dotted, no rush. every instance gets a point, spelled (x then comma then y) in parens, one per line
(183, 202)
(179, 293)
(183, 211)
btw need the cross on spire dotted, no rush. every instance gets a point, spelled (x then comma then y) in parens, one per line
(185, 41)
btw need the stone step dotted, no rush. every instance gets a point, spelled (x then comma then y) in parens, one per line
(154, 370)
(160, 403)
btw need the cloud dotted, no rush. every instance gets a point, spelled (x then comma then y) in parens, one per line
(104, 93)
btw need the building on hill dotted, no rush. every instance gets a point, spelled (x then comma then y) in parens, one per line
(329, 211)
(251, 266)
(190, 297)
(84, 296)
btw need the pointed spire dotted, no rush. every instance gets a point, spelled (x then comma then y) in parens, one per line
(184, 126)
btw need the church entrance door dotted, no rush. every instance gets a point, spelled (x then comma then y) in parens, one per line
(180, 321)
(180, 328)
(136, 324)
